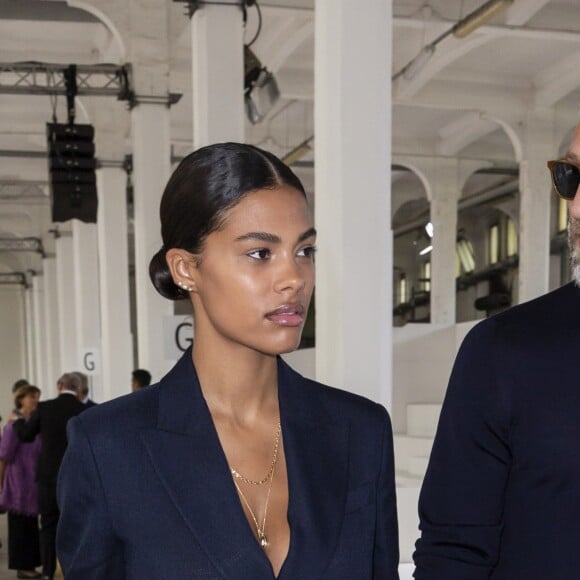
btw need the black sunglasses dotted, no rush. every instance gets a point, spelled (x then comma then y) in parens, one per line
(565, 177)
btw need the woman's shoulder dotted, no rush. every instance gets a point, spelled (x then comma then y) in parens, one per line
(349, 403)
(337, 402)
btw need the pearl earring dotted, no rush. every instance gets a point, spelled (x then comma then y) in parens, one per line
(184, 286)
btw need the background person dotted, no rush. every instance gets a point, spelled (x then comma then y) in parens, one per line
(49, 420)
(19, 492)
(140, 378)
(19, 383)
(234, 466)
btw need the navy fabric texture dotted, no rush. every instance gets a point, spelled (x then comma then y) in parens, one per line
(501, 497)
(146, 494)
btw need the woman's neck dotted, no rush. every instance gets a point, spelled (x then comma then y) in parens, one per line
(239, 385)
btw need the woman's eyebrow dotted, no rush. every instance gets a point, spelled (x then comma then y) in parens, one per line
(260, 236)
(309, 233)
(273, 238)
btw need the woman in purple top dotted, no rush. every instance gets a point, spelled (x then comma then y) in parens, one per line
(18, 490)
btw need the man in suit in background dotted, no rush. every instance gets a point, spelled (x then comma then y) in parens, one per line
(49, 421)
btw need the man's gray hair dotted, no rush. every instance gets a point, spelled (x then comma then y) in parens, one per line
(71, 382)
(84, 383)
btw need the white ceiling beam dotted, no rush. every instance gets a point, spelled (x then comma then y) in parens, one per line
(273, 30)
(448, 95)
(520, 12)
(296, 85)
(558, 80)
(290, 45)
(451, 49)
(268, 10)
(464, 131)
(447, 53)
(435, 28)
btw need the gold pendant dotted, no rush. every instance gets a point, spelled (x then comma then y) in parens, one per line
(263, 540)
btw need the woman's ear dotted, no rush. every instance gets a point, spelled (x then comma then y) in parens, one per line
(182, 266)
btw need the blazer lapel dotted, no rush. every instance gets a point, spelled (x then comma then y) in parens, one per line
(187, 456)
(316, 449)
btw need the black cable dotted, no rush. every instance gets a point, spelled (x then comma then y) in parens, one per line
(259, 25)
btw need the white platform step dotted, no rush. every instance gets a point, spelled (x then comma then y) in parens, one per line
(407, 501)
(418, 465)
(422, 419)
(406, 571)
(407, 446)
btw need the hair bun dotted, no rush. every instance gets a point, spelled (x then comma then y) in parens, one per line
(162, 279)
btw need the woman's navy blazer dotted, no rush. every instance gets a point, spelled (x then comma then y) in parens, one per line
(145, 491)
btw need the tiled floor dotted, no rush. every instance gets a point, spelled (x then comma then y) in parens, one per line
(6, 574)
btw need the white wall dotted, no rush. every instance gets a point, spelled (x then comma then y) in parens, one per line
(303, 362)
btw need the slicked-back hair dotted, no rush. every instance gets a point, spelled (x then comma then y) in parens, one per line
(206, 184)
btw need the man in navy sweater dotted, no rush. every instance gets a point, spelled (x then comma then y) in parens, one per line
(501, 497)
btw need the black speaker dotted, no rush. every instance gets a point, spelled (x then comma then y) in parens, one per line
(71, 166)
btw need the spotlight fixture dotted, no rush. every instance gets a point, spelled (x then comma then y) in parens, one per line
(261, 90)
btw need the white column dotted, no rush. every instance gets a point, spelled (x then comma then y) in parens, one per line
(535, 190)
(218, 74)
(446, 192)
(53, 368)
(353, 208)
(87, 303)
(40, 337)
(151, 167)
(31, 369)
(67, 310)
(116, 343)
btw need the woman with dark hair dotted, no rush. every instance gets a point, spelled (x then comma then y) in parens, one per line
(18, 488)
(233, 466)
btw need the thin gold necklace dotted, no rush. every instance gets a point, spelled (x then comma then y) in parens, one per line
(268, 477)
(260, 529)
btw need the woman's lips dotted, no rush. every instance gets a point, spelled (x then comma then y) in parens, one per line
(287, 315)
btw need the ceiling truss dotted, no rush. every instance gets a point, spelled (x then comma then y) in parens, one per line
(37, 78)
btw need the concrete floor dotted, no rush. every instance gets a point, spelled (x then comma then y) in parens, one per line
(6, 574)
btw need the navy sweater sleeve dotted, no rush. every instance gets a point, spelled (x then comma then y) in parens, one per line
(462, 498)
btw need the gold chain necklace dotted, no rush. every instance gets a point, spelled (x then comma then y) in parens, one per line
(260, 529)
(268, 477)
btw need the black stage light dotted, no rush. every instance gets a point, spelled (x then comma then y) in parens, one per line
(72, 165)
(261, 90)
